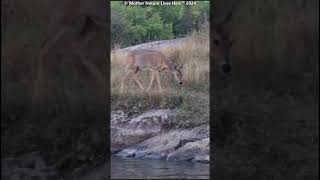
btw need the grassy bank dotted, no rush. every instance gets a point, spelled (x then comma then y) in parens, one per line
(192, 99)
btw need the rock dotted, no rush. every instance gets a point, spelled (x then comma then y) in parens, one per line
(151, 120)
(121, 138)
(197, 151)
(201, 159)
(160, 146)
(127, 153)
(154, 155)
(126, 132)
(149, 136)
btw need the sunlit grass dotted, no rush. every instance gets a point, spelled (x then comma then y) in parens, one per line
(193, 53)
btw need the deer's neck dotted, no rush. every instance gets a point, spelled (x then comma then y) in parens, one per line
(169, 64)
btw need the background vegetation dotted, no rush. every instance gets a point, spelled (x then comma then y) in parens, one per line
(132, 25)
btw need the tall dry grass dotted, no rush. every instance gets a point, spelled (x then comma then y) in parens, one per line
(193, 53)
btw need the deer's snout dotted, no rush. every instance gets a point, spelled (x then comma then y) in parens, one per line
(180, 82)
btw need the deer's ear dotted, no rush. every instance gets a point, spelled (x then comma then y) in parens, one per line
(181, 66)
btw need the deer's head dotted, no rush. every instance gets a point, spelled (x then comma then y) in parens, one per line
(177, 73)
(222, 43)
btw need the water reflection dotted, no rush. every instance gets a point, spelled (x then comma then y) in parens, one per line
(129, 168)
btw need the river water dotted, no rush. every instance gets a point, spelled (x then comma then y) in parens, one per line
(130, 168)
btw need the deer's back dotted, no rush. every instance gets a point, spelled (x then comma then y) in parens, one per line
(146, 59)
(67, 12)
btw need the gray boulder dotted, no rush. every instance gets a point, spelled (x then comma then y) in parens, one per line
(126, 132)
(194, 142)
(197, 151)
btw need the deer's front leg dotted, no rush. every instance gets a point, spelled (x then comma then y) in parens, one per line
(138, 82)
(151, 81)
(122, 81)
(157, 73)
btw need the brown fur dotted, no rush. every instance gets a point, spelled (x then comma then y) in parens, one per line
(65, 48)
(152, 60)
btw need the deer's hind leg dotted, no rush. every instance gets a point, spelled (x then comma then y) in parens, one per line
(136, 80)
(157, 74)
(139, 83)
(151, 81)
(123, 79)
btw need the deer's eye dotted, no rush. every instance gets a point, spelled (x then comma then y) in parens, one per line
(216, 42)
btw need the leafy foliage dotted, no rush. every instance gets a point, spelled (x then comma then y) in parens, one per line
(132, 25)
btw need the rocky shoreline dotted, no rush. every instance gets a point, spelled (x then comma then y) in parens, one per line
(152, 135)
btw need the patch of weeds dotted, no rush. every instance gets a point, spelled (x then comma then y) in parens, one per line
(192, 114)
(183, 120)
(198, 86)
(133, 105)
(172, 102)
(187, 106)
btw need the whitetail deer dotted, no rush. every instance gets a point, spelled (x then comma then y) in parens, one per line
(79, 17)
(222, 42)
(154, 61)
(72, 24)
(78, 21)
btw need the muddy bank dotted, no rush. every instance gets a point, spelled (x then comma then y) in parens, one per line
(153, 135)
